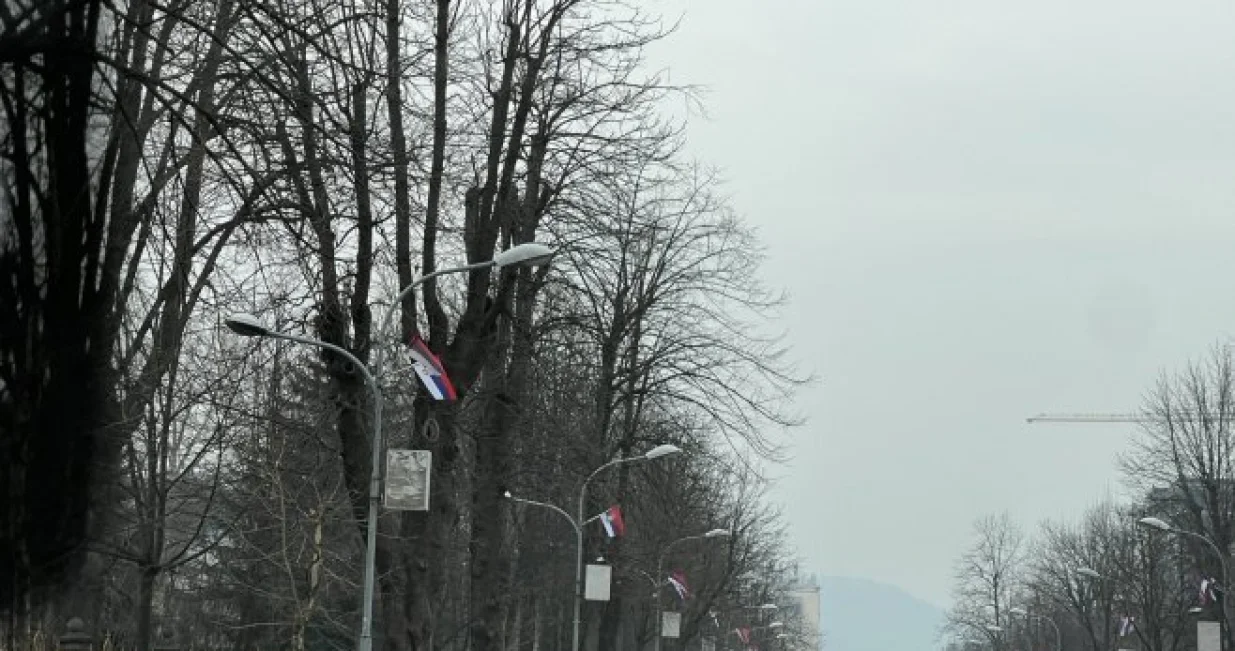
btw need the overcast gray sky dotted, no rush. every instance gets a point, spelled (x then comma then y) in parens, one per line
(983, 209)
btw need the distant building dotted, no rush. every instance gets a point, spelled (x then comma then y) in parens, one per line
(803, 618)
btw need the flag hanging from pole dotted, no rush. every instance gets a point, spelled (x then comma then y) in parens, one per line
(678, 580)
(612, 520)
(743, 633)
(1127, 624)
(1207, 591)
(431, 371)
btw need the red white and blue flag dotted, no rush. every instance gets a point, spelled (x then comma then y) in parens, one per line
(1207, 591)
(431, 372)
(743, 634)
(1127, 624)
(678, 581)
(612, 520)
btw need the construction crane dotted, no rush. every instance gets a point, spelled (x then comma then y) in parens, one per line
(1092, 418)
(1127, 418)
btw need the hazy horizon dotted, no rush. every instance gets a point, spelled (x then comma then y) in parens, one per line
(981, 212)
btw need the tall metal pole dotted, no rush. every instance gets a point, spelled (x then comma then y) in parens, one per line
(1058, 636)
(365, 643)
(1226, 575)
(660, 562)
(574, 642)
(658, 619)
(1048, 620)
(577, 525)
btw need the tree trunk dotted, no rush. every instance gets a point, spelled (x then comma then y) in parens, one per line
(500, 423)
(514, 635)
(538, 626)
(492, 463)
(145, 607)
(429, 537)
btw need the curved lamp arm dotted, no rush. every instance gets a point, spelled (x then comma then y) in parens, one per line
(551, 507)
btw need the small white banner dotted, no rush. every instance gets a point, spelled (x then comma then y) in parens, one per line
(670, 624)
(1208, 636)
(407, 480)
(596, 588)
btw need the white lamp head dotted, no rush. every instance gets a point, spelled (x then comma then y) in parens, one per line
(1088, 572)
(528, 254)
(663, 450)
(1018, 611)
(994, 629)
(717, 533)
(507, 495)
(776, 625)
(769, 607)
(1155, 523)
(246, 325)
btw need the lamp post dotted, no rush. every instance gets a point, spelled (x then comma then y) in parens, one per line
(762, 608)
(578, 522)
(1163, 526)
(660, 562)
(655, 453)
(1024, 613)
(528, 254)
(1089, 573)
(1106, 604)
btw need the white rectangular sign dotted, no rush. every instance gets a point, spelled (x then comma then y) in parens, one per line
(670, 624)
(1208, 636)
(596, 588)
(407, 480)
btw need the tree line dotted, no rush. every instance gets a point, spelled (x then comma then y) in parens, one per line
(1129, 574)
(168, 164)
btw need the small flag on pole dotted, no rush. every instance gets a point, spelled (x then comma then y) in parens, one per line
(612, 519)
(743, 634)
(1207, 591)
(678, 580)
(431, 371)
(1127, 624)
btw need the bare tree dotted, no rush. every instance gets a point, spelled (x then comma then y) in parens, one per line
(988, 578)
(1075, 569)
(1184, 458)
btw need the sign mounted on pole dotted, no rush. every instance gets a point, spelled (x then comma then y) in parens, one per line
(670, 624)
(407, 480)
(1208, 636)
(596, 588)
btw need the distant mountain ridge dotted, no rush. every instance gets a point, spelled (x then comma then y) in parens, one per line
(863, 615)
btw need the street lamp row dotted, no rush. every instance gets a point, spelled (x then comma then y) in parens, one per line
(577, 522)
(528, 254)
(1158, 524)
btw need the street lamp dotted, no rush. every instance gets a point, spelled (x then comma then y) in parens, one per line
(660, 562)
(528, 254)
(578, 522)
(1155, 523)
(1089, 572)
(1164, 526)
(662, 450)
(1024, 613)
